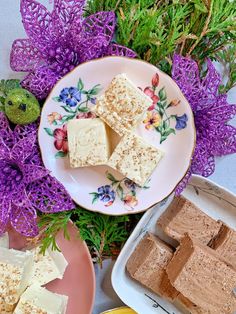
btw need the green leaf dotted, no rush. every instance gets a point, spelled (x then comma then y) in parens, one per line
(67, 109)
(163, 138)
(2, 100)
(111, 177)
(7, 85)
(2, 108)
(120, 192)
(49, 131)
(95, 197)
(169, 131)
(56, 98)
(67, 118)
(95, 90)
(60, 154)
(83, 109)
(80, 84)
(162, 94)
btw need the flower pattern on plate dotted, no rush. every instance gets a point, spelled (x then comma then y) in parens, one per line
(158, 117)
(76, 103)
(124, 189)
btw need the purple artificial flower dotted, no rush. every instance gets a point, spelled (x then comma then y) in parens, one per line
(60, 40)
(25, 185)
(106, 194)
(181, 122)
(211, 114)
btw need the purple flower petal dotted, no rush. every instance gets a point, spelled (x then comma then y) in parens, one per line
(24, 220)
(33, 173)
(69, 11)
(24, 56)
(5, 210)
(91, 48)
(4, 150)
(23, 148)
(100, 24)
(211, 113)
(6, 133)
(40, 82)
(118, 50)
(49, 196)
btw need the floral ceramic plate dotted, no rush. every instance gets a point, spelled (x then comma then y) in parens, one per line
(168, 125)
(78, 282)
(211, 199)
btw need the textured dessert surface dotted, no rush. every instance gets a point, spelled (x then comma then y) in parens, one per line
(147, 265)
(15, 273)
(183, 216)
(135, 158)
(198, 273)
(123, 105)
(88, 142)
(225, 244)
(38, 300)
(48, 266)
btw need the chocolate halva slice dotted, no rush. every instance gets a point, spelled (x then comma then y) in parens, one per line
(183, 216)
(198, 273)
(147, 265)
(224, 243)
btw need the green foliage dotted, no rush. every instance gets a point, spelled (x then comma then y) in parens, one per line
(103, 234)
(158, 29)
(227, 57)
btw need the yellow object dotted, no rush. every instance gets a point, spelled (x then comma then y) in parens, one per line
(120, 310)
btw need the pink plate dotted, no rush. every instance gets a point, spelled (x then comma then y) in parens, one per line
(79, 279)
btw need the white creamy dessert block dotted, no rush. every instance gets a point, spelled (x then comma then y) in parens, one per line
(47, 267)
(123, 105)
(4, 240)
(38, 300)
(15, 273)
(135, 158)
(88, 142)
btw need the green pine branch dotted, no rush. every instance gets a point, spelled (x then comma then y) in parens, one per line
(103, 234)
(158, 29)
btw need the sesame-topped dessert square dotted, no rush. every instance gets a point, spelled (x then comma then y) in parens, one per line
(123, 105)
(88, 142)
(135, 158)
(38, 300)
(15, 273)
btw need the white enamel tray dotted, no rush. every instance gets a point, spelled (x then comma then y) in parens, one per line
(209, 197)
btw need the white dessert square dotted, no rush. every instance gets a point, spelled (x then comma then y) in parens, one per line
(47, 267)
(4, 240)
(135, 158)
(123, 105)
(38, 300)
(88, 142)
(15, 273)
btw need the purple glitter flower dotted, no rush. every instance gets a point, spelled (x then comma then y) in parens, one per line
(211, 114)
(25, 185)
(60, 40)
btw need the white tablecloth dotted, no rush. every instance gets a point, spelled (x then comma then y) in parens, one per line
(10, 29)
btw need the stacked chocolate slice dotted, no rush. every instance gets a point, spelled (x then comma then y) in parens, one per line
(200, 275)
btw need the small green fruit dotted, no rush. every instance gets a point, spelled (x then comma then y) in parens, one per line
(21, 107)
